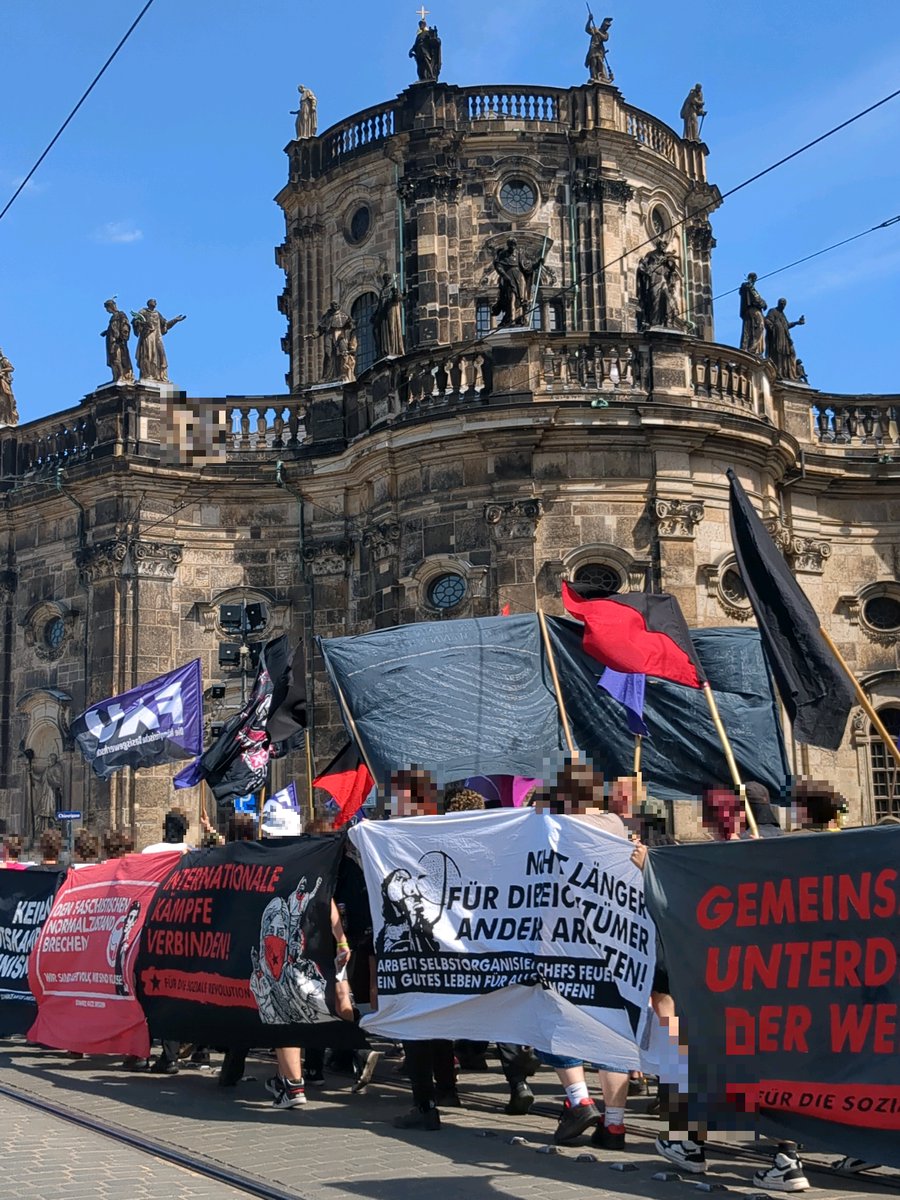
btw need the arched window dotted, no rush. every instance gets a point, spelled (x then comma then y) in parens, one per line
(599, 579)
(362, 312)
(884, 771)
(484, 322)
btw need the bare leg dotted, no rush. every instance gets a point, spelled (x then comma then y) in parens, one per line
(290, 1062)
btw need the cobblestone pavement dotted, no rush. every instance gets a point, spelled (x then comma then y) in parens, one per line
(45, 1158)
(340, 1145)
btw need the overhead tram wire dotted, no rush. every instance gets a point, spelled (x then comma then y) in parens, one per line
(732, 191)
(68, 119)
(817, 254)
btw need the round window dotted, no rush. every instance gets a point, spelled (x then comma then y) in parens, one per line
(882, 612)
(360, 224)
(447, 591)
(518, 196)
(600, 578)
(54, 633)
(733, 588)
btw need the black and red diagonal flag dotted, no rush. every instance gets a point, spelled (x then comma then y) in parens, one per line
(815, 692)
(348, 781)
(639, 634)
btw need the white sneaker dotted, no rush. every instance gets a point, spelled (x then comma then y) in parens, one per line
(684, 1153)
(853, 1166)
(784, 1175)
(292, 1094)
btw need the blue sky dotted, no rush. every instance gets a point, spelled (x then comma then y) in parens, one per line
(163, 184)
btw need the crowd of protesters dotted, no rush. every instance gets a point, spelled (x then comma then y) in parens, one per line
(433, 1066)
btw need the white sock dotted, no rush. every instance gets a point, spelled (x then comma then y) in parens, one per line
(614, 1116)
(577, 1092)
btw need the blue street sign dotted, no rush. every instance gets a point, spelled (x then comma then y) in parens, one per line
(73, 815)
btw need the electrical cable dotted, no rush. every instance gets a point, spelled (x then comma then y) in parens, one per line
(65, 123)
(716, 201)
(808, 257)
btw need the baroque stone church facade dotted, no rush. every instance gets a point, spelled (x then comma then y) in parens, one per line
(432, 457)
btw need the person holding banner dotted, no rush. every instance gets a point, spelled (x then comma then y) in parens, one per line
(579, 793)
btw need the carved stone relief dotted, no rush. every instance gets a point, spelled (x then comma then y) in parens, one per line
(676, 518)
(515, 519)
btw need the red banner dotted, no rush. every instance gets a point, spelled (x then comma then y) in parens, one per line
(81, 971)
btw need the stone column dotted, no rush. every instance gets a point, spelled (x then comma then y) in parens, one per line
(676, 521)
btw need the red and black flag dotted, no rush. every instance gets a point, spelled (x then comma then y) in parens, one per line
(638, 634)
(348, 781)
(814, 690)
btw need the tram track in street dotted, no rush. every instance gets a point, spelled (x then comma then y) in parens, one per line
(240, 1181)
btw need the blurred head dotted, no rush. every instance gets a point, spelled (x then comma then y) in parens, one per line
(241, 828)
(50, 843)
(86, 846)
(117, 843)
(579, 789)
(414, 793)
(13, 847)
(818, 805)
(175, 826)
(723, 814)
(623, 796)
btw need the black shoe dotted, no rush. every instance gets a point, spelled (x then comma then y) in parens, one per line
(447, 1098)
(521, 1098)
(133, 1062)
(575, 1119)
(200, 1058)
(609, 1137)
(315, 1079)
(163, 1066)
(419, 1118)
(367, 1063)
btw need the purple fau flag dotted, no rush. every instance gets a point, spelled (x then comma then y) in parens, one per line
(158, 722)
(628, 689)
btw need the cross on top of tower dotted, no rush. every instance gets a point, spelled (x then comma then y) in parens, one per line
(423, 13)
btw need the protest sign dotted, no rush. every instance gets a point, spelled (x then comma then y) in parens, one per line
(25, 901)
(238, 949)
(525, 927)
(783, 961)
(82, 969)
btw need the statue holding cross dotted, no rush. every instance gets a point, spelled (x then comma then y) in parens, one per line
(426, 50)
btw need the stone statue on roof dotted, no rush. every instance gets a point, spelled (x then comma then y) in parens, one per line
(596, 61)
(426, 50)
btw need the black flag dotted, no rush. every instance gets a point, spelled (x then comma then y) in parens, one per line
(237, 763)
(814, 690)
(287, 716)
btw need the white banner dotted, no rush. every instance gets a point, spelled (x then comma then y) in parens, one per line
(511, 926)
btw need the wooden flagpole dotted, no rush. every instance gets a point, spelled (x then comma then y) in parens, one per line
(638, 774)
(310, 772)
(729, 757)
(353, 729)
(865, 702)
(560, 703)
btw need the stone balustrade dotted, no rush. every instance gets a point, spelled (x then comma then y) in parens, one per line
(271, 423)
(517, 104)
(610, 364)
(856, 420)
(48, 444)
(476, 109)
(728, 376)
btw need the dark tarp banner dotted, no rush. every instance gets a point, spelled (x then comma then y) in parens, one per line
(682, 755)
(26, 898)
(158, 722)
(783, 960)
(238, 949)
(458, 697)
(474, 697)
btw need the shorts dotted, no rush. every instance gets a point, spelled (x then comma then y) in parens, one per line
(561, 1062)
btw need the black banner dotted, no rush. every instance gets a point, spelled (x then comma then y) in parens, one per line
(26, 898)
(237, 949)
(783, 958)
